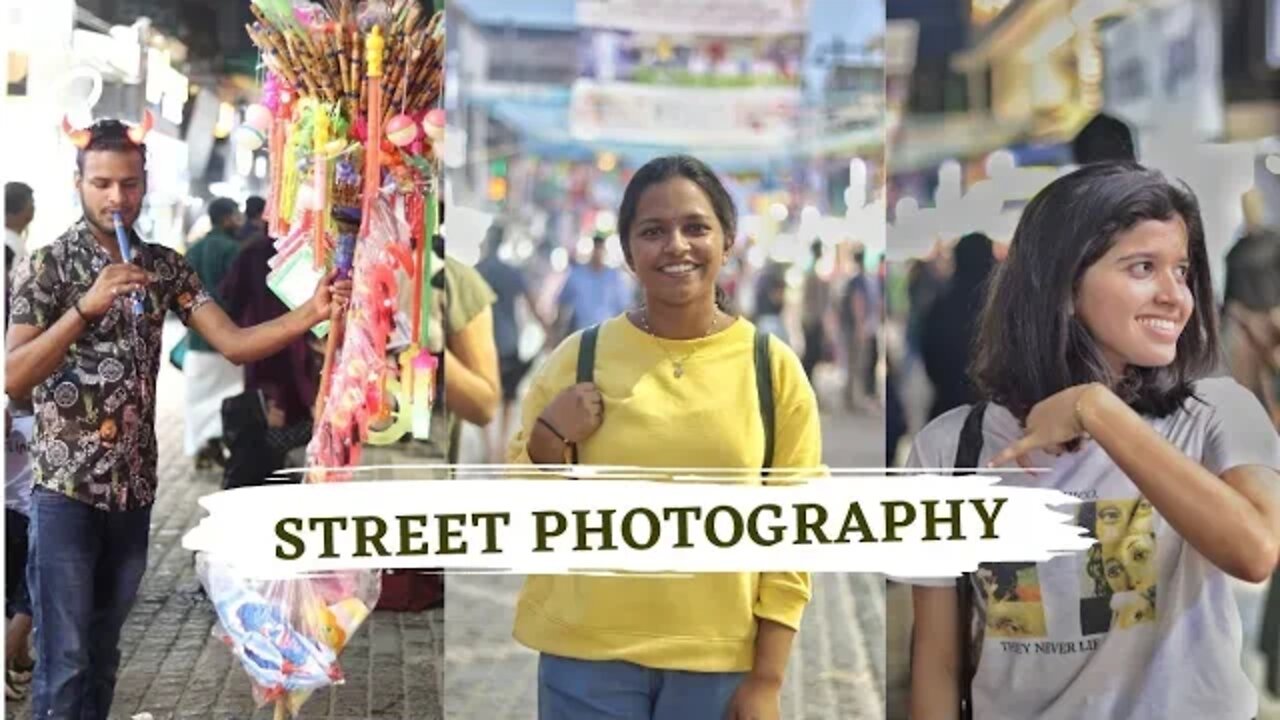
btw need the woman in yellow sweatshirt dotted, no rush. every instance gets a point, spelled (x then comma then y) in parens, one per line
(674, 386)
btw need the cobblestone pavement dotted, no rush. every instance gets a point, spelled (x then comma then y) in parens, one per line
(838, 662)
(172, 666)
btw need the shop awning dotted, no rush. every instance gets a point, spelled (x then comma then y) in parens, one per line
(540, 15)
(542, 122)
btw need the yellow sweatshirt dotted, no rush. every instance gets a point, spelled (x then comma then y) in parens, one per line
(710, 418)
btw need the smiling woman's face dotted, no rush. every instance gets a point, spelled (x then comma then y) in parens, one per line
(1136, 300)
(677, 245)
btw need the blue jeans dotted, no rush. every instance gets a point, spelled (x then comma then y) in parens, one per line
(613, 690)
(83, 570)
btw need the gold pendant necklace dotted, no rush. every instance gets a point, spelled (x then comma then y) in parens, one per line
(677, 366)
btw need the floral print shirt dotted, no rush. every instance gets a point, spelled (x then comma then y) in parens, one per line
(95, 437)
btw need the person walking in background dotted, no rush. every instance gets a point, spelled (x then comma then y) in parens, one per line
(1251, 312)
(509, 285)
(856, 309)
(19, 211)
(593, 293)
(19, 425)
(815, 300)
(1251, 335)
(287, 378)
(875, 282)
(924, 283)
(950, 323)
(281, 387)
(84, 344)
(771, 304)
(17, 511)
(254, 226)
(210, 377)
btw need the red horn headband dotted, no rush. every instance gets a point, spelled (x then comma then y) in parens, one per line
(78, 137)
(138, 132)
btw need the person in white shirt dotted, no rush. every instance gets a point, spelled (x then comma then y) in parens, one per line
(19, 210)
(1093, 355)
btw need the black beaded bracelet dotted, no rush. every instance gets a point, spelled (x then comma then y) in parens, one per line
(554, 431)
(80, 312)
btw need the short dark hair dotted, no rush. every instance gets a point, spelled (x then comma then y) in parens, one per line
(254, 207)
(111, 136)
(18, 197)
(1253, 271)
(493, 237)
(221, 209)
(666, 168)
(1103, 138)
(974, 256)
(1031, 344)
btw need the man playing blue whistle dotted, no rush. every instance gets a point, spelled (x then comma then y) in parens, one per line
(86, 315)
(122, 239)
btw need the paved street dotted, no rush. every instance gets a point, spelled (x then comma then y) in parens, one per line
(174, 668)
(837, 666)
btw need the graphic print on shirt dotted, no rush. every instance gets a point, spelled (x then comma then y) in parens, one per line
(1118, 582)
(1014, 608)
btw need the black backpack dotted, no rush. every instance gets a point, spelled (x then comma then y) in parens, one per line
(764, 382)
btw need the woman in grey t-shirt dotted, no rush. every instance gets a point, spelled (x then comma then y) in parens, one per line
(1095, 344)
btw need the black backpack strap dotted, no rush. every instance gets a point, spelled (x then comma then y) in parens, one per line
(586, 363)
(966, 463)
(587, 354)
(970, 447)
(764, 391)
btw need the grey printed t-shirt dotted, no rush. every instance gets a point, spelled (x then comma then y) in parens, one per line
(1141, 626)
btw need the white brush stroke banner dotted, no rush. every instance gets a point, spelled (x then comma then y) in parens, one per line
(903, 525)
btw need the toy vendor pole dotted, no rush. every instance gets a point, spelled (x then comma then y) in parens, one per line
(320, 170)
(345, 255)
(374, 46)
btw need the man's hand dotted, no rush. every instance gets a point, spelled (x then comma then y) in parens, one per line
(275, 415)
(116, 280)
(331, 297)
(757, 698)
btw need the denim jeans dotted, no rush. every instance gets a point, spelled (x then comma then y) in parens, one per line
(83, 570)
(613, 690)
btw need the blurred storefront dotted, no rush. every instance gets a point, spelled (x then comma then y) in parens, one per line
(38, 66)
(1022, 78)
(64, 61)
(564, 101)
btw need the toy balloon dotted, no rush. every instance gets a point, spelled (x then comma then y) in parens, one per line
(402, 130)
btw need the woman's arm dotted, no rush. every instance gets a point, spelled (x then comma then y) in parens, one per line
(472, 385)
(759, 697)
(1233, 520)
(935, 654)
